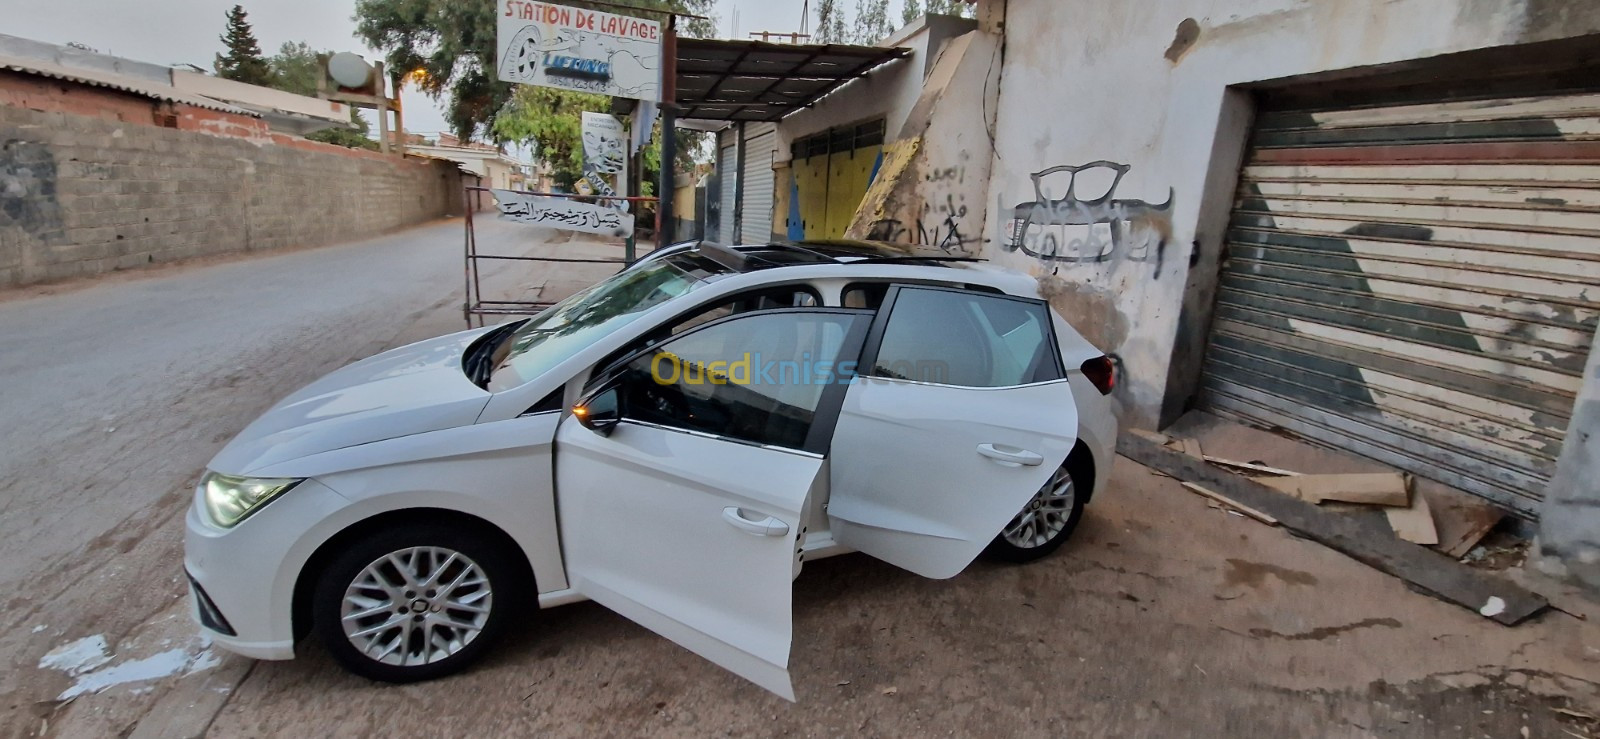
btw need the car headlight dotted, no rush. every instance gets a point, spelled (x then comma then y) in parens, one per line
(230, 499)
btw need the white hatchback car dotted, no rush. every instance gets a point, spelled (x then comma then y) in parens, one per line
(674, 443)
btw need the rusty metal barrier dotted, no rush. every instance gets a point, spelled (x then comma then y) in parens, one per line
(475, 306)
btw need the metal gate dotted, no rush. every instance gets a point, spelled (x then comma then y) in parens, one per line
(1417, 283)
(755, 225)
(728, 178)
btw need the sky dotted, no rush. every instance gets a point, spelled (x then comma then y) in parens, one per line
(187, 31)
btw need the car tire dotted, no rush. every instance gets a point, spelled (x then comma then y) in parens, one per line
(1052, 524)
(409, 627)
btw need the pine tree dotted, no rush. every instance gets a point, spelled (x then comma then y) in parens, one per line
(243, 62)
(830, 26)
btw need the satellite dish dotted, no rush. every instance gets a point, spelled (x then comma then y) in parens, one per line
(349, 70)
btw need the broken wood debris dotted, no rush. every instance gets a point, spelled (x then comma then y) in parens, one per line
(1353, 535)
(1234, 504)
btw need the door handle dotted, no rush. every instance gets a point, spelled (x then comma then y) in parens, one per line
(1011, 455)
(768, 526)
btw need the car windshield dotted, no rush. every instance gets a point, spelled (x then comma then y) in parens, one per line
(593, 313)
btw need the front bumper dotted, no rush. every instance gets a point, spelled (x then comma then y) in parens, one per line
(242, 580)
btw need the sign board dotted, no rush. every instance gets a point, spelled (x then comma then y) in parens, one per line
(565, 214)
(581, 50)
(602, 143)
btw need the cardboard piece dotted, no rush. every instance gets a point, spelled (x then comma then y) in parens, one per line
(1414, 523)
(1367, 488)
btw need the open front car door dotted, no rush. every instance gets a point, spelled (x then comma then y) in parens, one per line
(961, 414)
(682, 482)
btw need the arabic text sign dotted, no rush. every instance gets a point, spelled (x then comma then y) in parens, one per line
(576, 49)
(562, 213)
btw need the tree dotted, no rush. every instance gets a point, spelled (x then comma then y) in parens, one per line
(359, 137)
(552, 121)
(949, 7)
(243, 62)
(830, 23)
(872, 21)
(453, 41)
(295, 68)
(911, 11)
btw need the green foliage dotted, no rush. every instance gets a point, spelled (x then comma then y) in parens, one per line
(295, 69)
(359, 137)
(872, 21)
(830, 23)
(552, 121)
(909, 12)
(453, 41)
(949, 7)
(243, 62)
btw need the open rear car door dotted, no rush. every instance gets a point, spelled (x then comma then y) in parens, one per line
(961, 415)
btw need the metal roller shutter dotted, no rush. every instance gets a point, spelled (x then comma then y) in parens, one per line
(759, 150)
(727, 174)
(1417, 283)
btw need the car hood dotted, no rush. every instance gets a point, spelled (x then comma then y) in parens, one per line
(404, 391)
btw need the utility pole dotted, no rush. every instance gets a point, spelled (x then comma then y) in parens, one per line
(665, 217)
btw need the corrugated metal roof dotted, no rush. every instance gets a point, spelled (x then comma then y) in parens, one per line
(727, 80)
(132, 85)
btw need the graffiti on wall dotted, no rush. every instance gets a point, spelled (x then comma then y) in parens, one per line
(1076, 228)
(940, 220)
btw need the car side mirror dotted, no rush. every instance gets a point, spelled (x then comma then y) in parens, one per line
(601, 411)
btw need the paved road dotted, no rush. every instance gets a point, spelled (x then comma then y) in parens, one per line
(116, 393)
(1161, 618)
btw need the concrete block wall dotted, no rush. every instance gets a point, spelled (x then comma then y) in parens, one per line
(82, 195)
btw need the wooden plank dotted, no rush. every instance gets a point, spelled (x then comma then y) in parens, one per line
(1414, 523)
(1354, 536)
(1234, 504)
(1191, 447)
(1250, 467)
(1462, 522)
(1367, 488)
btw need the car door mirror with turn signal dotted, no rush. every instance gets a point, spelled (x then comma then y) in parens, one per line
(601, 411)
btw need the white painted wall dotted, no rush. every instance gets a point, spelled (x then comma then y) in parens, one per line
(1086, 80)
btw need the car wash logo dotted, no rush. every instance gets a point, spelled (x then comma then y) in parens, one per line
(561, 65)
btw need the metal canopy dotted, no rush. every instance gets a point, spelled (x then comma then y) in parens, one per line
(759, 81)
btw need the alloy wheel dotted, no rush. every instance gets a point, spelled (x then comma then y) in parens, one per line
(1045, 515)
(416, 606)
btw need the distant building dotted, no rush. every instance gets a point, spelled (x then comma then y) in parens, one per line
(280, 111)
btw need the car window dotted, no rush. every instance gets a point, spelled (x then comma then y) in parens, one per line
(867, 295)
(591, 314)
(953, 337)
(786, 296)
(757, 378)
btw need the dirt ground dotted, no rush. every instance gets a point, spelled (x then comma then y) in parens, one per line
(1162, 617)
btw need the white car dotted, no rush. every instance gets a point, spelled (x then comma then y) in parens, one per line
(674, 443)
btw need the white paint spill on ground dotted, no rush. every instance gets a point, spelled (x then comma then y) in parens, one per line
(155, 666)
(77, 657)
(202, 662)
(86, 660)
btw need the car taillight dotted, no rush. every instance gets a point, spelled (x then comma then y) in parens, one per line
(1101, 371)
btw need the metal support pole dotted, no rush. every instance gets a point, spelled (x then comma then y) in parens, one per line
(666, 223)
